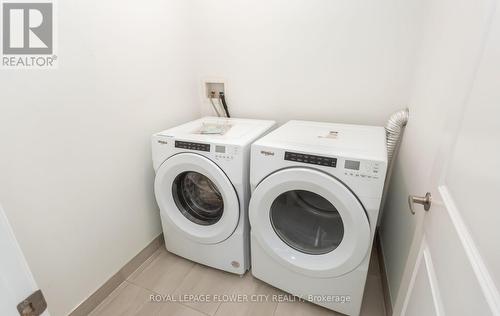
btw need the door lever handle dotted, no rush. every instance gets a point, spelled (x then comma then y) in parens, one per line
(426, 201)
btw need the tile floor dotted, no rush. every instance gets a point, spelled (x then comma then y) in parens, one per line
(166, 274)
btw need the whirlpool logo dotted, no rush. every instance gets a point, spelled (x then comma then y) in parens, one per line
(28, 31)
(267, 153)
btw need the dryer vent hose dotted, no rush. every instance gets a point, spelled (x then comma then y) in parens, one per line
(393, 132)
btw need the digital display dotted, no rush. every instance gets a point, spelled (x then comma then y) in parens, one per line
(220, 149)
(351, 164)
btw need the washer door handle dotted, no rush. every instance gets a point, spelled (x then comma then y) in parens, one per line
(426, 201)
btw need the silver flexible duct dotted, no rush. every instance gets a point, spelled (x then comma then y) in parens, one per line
(393, 134)
(393, 130)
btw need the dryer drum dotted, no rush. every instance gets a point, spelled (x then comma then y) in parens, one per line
(307, 222)
(197, 198)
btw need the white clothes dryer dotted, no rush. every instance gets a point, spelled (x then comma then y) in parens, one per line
(317, 189)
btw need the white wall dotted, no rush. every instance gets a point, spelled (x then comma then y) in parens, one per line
(453, 35)
(75, 167)
(339, 61)
(76, 180)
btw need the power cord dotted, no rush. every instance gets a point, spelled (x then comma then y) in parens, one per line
(222, 99)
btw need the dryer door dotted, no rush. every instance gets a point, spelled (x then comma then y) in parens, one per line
(310, 222)
(197, 197)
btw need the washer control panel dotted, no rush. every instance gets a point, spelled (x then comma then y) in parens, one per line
(192, 146)
(311, 159)
(362, 169)
(224, 152)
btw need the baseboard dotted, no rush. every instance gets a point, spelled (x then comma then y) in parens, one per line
(110, 285)
(383, 276)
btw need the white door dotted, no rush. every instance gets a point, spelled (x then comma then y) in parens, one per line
(309, 222)
(454, 262)
(16, 281)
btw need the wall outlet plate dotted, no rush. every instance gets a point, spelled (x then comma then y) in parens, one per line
(212, 89)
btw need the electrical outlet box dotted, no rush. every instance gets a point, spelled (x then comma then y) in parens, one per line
(212, 89)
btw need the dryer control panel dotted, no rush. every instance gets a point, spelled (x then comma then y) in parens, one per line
(192, 146)
(311, 159)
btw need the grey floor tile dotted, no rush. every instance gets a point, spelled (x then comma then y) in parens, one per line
(260, 298)
(163, 274)
(127, 299)
(230, 294)
(175, 309)
(132, 300)
(301, 308)
(216, 284)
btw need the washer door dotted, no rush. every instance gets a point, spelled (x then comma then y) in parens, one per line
(197, 197)
(310, 222)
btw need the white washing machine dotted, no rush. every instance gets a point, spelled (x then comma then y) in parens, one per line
(202, 189)
(317, 189)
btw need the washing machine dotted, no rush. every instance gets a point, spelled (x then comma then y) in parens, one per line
(202, 189)
(316, 192)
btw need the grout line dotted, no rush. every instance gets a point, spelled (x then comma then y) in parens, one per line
(112, 297)
(275, 308)
(194, 309)
(180, 283)
(146, 263)
(185, 276)
(156, 293)
(142, 287)
(218, 307)
(151, 262)
(173, 291)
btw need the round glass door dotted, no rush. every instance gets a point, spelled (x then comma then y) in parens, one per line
(197, 198)
(307, 222)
